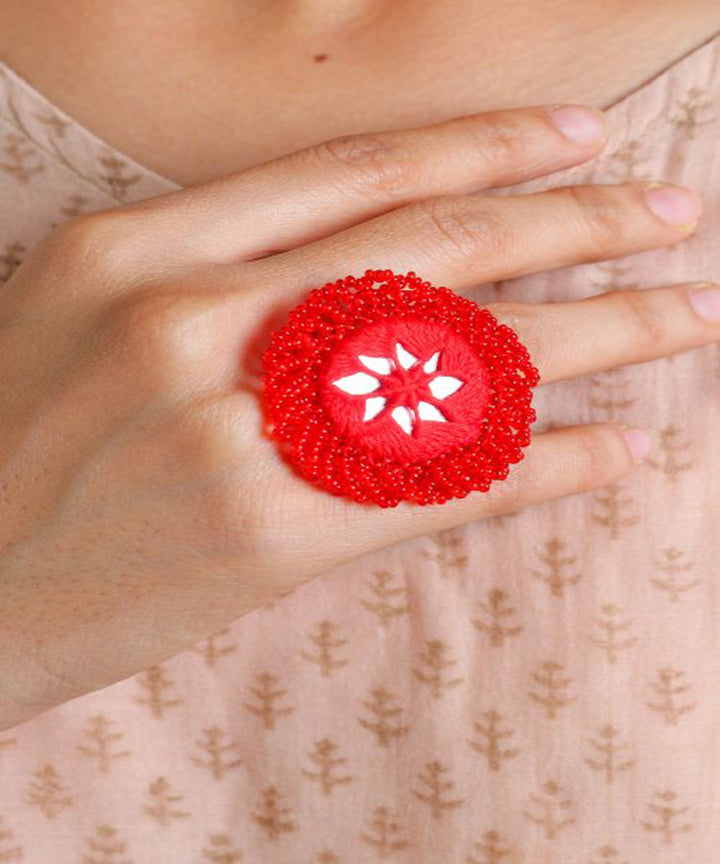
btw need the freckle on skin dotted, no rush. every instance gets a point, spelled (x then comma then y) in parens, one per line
(321, 58)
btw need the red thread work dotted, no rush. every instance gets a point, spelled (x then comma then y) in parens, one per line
(385, 388)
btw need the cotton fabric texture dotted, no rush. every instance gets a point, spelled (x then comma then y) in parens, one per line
(543, 687)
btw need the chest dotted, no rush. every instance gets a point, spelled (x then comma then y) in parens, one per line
(196, 97)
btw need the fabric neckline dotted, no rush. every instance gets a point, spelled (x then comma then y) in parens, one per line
(642, 91)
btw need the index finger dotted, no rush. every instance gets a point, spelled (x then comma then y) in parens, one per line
(333, 185)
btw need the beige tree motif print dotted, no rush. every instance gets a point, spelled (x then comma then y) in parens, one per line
(436, 788)
(327, 766)
(326, 857)
(673, 457)
(493, 848)
(272, 815)
(610, 394)
(609, 754)
(551, 809)
(161, 804)
(106, 846)
(492, 737)
(384, 832)
(675, 577)
(11, 259)
(559, 567)
(212, 650)
(9, 850)
(496, 617)
(220, 850)
(551, 688)
(667, 820)
(448, 553)
(157, 683)
(327, 644)
(433, 668)
(613, 632)
(384, 717)
(607, 855)
(218, 753)
(387, 598)
(20, 160)
(268, 705)
(612, 276)
(35, 141)
(694, 110)
(101, 744)
(537, 688)
(670, 695)
(614, 509)
(49, 793)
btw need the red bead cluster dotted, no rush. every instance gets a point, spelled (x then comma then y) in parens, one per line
(296, 417)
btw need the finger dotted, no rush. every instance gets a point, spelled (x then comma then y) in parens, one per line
(566, 461)
(567, 339)
(461, 241)
(327, 187)
(562, 462)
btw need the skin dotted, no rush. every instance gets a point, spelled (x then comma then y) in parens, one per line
(142, 507)
(196, 89)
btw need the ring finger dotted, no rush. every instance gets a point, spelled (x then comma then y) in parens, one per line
(568, 339)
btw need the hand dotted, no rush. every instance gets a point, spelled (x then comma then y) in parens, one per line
(142, 508)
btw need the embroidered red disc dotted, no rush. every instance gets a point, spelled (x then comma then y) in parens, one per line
(385, 388)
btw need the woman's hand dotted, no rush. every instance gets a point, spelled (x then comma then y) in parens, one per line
(142, 508)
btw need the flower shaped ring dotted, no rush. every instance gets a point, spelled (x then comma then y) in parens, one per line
(386, 388)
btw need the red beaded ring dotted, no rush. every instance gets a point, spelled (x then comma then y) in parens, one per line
(386, 389)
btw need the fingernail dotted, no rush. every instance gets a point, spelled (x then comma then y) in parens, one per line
(639, 443)
(676, 205)
(705, 300)
(581, 125)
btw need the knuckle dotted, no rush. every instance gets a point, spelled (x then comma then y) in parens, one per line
(460, 226)
(597, 452)
(210, 446)
(157, 337)
(501, 140)
(515, 492)
(603, 214)
(99, 241)
(530, 324)
(371, 164)
(584, 459)
(204, 439)
(645, 326)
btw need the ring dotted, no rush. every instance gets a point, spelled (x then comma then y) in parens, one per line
(385, 388)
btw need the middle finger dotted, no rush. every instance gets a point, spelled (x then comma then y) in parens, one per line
(463, 241)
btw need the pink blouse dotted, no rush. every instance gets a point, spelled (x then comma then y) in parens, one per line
(540, 688)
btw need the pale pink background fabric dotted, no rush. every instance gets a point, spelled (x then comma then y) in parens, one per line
(541, 688)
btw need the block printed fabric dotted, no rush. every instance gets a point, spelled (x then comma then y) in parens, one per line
(540, 688)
